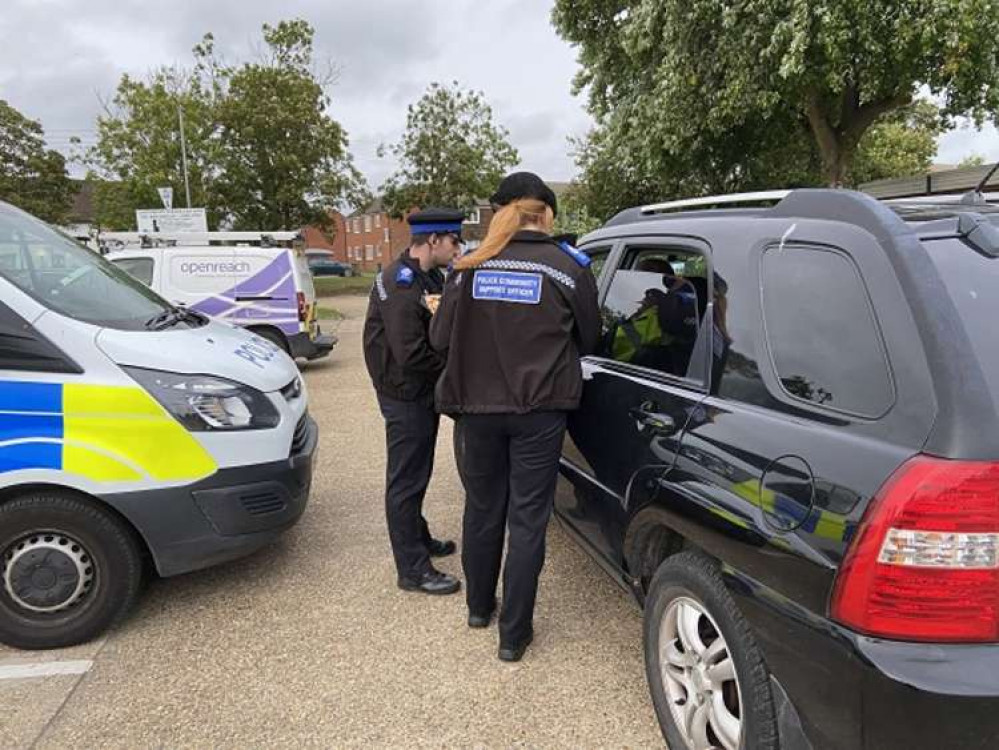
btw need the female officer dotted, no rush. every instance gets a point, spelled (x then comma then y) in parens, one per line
(517, 314)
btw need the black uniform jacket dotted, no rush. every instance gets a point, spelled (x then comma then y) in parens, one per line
(397, 350)
(513, 330)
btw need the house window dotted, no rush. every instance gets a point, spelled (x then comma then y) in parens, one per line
(367, 223)
(474, 217)
(387, 235)
(378, 220)
(369, 252)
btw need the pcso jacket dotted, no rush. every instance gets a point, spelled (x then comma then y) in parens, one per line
(514, 329)
(397, 350)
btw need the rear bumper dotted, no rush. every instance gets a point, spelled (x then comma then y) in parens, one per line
(231, 514)
(303, 347)
(849, 691)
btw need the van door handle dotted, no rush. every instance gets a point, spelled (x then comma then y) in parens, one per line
(648, 418)
(252, 298)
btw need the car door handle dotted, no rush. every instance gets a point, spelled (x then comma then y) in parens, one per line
(649, 419)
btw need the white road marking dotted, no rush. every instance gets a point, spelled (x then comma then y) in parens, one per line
(44, 669)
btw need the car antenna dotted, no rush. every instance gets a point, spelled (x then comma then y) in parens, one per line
(976, 196)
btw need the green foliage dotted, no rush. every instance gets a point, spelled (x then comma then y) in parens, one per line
(902, 144)
(574, 215)
(32, 177)
(262, 153)
(332, 286)
(692, 96)
(971, 160)
(451, 155)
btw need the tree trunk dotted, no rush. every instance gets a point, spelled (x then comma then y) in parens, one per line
(837, 145)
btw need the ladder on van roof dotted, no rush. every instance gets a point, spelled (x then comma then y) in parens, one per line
(122, 240)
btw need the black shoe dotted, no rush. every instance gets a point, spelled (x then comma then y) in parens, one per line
(441, 548)
(432, 582)
(515, 652)
(480, 621)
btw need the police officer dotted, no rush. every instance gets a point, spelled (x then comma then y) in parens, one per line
(404, 368)
(517, 314)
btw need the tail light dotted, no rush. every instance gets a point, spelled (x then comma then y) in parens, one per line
(303, 307)
(925, 563)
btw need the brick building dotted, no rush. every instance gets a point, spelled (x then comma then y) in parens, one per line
(370, 239)
(316, 238)
(375, 239)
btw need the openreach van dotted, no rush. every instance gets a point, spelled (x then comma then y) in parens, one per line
(251, 279)
(132, 433)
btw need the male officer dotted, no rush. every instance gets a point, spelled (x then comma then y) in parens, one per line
(404, 369)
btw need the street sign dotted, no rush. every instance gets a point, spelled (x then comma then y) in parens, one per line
(166, 195)
(151, 221)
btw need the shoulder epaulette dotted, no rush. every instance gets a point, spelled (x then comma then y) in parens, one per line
(404, 276)
(580, 257)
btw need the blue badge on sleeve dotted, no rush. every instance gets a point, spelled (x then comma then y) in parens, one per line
(404, 276)
(507, 286)
(577, 255)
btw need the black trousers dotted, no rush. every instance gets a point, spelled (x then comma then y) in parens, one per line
(410, 436)
(509, 466)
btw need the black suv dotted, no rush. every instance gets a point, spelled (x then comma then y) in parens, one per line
(788, 451)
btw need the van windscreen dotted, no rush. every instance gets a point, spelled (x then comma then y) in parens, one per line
(70, 279)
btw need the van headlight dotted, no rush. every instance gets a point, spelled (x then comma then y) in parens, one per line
(203, 403)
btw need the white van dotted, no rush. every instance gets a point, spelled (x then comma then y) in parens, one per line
(132, 433)
(266, 289)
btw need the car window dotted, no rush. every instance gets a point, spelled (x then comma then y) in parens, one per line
(652, 316)
(822, 333)
(598, 259)
(137, 268)
(972, 280)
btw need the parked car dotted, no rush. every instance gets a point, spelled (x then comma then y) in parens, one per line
(788, 452)
(266, 289)
(324, 267)
(134, 436)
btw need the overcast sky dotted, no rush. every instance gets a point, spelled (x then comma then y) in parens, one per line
(57, 56)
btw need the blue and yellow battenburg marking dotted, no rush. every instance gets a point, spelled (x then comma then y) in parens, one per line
(103, 433)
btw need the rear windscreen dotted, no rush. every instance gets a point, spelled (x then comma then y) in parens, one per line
(973, 282)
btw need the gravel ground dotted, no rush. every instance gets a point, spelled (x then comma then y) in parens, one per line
(309, 643)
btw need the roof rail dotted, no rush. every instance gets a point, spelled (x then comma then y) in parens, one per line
(717, 200)
(166, 239)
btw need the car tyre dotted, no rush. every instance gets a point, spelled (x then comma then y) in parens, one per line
(709, 683)
(69, 570)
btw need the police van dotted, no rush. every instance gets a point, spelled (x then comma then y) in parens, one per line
(252, 279)
(134, 435)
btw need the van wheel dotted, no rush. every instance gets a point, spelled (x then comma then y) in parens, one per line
(709, 683)
(275, 337)
(68, 571)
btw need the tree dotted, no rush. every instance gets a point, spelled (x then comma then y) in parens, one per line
(971, 160)
(139, 149)
(726, 83)
(574, 215)
(32, 177)
(903, 144)
(451, 154)
(283, 162)
(262, 152)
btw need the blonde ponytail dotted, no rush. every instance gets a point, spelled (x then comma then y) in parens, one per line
(505, 224)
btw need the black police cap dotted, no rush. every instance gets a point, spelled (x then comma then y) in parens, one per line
(521, 185)
(436, 221)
